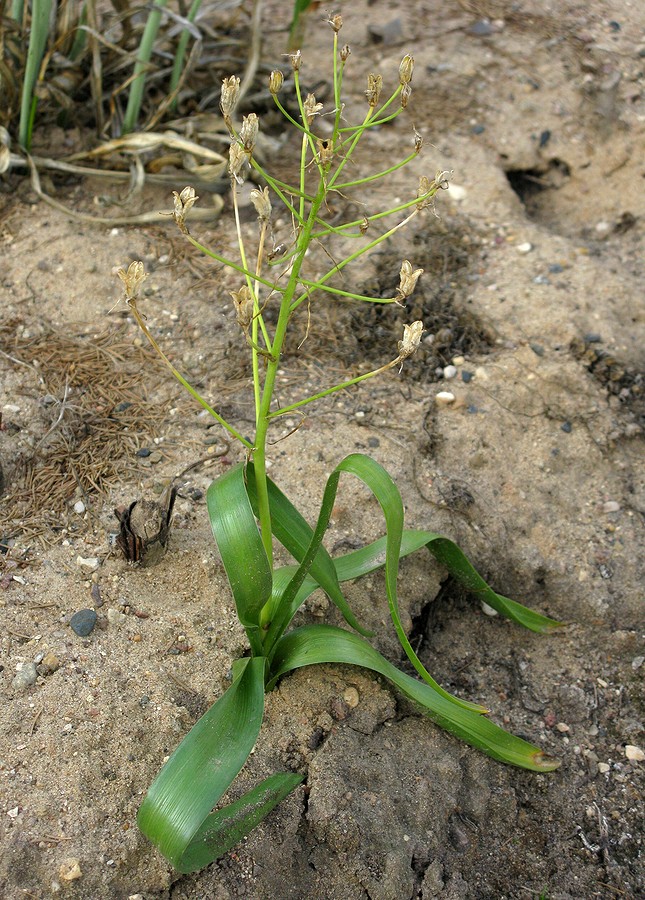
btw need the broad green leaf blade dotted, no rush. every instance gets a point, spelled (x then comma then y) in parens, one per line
(225, 828)
(203, 766)
(240, 545)
(40, 16)
(315, 644)
(372, 557)
(296, 535)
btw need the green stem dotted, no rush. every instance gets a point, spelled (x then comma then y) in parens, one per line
(376, 176)
(180, 378)
(332, 390)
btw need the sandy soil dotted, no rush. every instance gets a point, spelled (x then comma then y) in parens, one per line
(536, 469)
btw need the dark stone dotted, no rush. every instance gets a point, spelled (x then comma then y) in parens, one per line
(82, 622)
(466, 376)
(143, 452)
(566, 427)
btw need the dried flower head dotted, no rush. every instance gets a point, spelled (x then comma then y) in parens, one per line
(132, 281)
(237, 160)
(325, 151)
(411, 340)
(261, 202)
(336, 22)
(182, 204)
(296, 60)
(373, 92)
(405, 69)
(442, 180)
(365, 224)
(408, 279)
(276, 80)
(425, 192)
(406, 92)
(311, 108)
(229, 98)
(418, 141)
(249, 132)
(243, 302)
(344, 52)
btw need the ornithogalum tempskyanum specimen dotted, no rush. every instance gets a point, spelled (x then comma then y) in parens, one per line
(248, 511)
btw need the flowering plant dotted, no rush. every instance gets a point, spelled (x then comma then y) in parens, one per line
(248, 511)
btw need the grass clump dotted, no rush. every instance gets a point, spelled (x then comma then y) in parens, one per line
(248, 511)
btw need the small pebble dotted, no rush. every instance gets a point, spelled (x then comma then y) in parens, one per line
(611, 506)
(49, 664)
(538, 349)
(545, 137)
(70, 869)
(458, 360)
(444, 398)
(156, 456)
(592, 337)
(466, 376)
(143, 452)
(478, 129)
(82, 622)
(25, 677)
(566, 427)
(563, 727)
(449, 372)
(351, 697)
(635, 754)
(79, 507)
(637, 662)
(556, 268)
(482, 28)
(488, 610)
(89, 562)
(541, 279)
(603, 768)
(526, 247)
(115, 617)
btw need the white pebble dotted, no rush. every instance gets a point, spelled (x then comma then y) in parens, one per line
(115, 617)
(635, 754)
(90, 562)
(611, 506)
(458, 360)
(79, 507)
(449, 372)
(603, 768)
(488, 610)
(444, 398)
(351, 697)
(526, 247)
(637, 662)
(11, 408)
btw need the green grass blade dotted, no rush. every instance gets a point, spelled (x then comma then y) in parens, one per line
(182, 44)
(40, 13)
(203, 766)
(137, 87)
(315, 644)
(240, 545)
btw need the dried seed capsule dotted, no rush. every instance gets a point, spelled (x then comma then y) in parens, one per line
(406, 92)
(365, 224)
(134, 278)
(405, 69)
(373, 92)
(344, 52)
(411, 340)
(237, 159)
(408, 279)
(311, 108)
(261, 202)
(336, 22)
(276, 80)
(249, 132)
(296, 60)
(229, 98)
(183, 203)
(243, 302)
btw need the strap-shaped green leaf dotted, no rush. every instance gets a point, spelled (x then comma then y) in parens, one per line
(314, 644)
(240, 547)
(176, 813)
(296, 535)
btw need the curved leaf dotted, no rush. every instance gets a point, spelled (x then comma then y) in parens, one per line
(240, 546)
(176, 812)
(314, 644)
